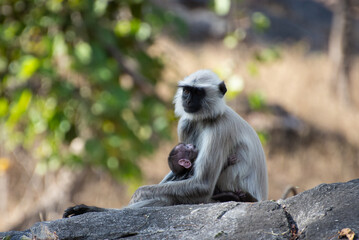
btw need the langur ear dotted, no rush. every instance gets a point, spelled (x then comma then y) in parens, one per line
(185, 163)
(222, 88)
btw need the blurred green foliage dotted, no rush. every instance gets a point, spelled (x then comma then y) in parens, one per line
(263, 56)
(263, 137)
(221, 7)
(257, 101)
(75, 82)
(260, 22)
(268, 55)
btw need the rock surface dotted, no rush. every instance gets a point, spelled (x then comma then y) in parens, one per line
(319, 213)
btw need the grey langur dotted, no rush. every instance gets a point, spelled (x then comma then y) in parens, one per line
(218, 132)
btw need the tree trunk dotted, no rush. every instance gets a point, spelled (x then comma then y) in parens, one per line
(340, 47)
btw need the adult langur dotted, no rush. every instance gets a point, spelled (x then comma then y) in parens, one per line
(218, 132)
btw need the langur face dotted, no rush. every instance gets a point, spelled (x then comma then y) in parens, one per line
(182, 157)
(188, 151)
(192, 98)
(200, 96)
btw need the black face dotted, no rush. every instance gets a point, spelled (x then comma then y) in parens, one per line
(192, 98)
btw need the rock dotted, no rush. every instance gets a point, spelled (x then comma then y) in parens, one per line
(319, 213)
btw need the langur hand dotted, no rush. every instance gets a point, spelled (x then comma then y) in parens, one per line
(142, 193)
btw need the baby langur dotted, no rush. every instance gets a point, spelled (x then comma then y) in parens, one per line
(181, 160)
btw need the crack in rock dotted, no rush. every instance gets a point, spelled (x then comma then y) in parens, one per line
(129, 234)
(292, 225)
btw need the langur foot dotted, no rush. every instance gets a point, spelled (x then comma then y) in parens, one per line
(237, 196)
(80, 209)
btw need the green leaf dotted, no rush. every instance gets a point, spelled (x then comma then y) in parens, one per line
(222, 7)
(112, 163)
(19, 108)
(144, 32)
(83, 52)
(28, 67)
(123, 28)
(95, 150)
(4, 106)
(268, 55)
(235, 85)
(263, 137)
(256, 101)
(260, 21)
(252, 68)
(9, 31)
(100, 7)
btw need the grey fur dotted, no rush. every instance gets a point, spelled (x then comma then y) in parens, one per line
(218, 132)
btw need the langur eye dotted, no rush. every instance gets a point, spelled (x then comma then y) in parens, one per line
(189, 146)
(186, 91)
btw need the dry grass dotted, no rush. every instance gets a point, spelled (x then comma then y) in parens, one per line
(301, 83)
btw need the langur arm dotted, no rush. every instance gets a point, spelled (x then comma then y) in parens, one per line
(169, 177)
(198, 188)
(81, 209)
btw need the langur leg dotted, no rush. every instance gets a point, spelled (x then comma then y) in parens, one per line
(237, 196)
(246, 197)
(226, 197)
